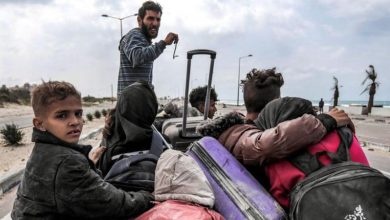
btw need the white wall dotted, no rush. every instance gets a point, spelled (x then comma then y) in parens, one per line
(357, 110)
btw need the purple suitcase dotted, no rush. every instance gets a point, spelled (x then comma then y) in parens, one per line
(238, 195)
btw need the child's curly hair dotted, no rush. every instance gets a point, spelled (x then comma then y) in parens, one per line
(198, 96)
(261, 87)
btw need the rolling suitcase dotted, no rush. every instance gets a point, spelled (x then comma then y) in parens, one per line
(237, 194)
(181, 132)
(172, 128)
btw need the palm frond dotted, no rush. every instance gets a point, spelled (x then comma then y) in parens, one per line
(364, 81)
(365, 90)
(373, 72)
(336, 82)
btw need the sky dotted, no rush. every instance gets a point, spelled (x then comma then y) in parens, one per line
(309, 42)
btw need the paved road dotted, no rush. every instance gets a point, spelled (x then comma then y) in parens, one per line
(22, 121)
(378, 132)
(378, 159)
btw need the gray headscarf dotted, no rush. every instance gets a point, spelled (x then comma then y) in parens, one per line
(283, 109)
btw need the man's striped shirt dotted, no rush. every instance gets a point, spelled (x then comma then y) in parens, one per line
(137, 54)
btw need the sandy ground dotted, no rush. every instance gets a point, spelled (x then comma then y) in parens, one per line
(13, 158)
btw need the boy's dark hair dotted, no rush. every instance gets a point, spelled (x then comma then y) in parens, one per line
(261, 87)
(198, 96)
(49, 92)
(149, 5)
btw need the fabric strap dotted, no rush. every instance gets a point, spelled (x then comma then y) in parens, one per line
(155, 148)
(308, 163)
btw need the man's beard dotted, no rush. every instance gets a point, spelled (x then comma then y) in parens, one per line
(145, 31)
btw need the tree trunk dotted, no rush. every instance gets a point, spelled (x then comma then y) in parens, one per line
(371, 98)
(335, 97)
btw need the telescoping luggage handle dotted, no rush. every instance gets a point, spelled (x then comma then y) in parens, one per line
(190, 54)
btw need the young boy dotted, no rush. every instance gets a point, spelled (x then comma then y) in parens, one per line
(60, 181)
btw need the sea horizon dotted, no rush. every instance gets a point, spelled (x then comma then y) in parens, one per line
(385, 104)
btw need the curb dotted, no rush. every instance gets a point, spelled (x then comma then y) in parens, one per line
(379, 146)
(8, 181)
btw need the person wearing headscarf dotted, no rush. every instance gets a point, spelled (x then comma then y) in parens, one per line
(282, 175)
(253, 146)
(130, 126)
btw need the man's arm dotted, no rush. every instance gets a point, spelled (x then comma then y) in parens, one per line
(288, 137)
(257, 146)
(138, 51)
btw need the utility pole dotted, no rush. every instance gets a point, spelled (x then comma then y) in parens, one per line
(112, 94)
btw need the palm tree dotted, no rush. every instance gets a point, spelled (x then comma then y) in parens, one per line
(371, 87)
(336, 92)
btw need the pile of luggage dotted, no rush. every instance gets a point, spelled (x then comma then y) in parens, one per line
(194, 177)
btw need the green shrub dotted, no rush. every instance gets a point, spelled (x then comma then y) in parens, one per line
(104, 112)
(19, 95)
(12, 134)
(89, 117)
(89, 99)
(97, 114)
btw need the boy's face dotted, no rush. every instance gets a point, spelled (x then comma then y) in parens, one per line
(63, 119)
(212, 108)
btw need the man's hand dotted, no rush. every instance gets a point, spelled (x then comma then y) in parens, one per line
(341, 118)
(95, 154)
(170, 38)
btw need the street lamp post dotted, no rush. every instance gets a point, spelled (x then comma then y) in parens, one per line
(238, 81)
(120, 19)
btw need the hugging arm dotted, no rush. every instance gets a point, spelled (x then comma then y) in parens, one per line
(258, 147)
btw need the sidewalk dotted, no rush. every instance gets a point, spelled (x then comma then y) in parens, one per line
(373, 131)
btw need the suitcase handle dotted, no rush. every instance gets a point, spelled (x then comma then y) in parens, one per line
(191, 53)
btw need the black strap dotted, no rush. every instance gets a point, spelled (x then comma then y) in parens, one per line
(308, 163)
(157, 146)
(123, 165)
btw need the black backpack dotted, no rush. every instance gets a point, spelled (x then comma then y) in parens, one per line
(134, 171)
(343, 190)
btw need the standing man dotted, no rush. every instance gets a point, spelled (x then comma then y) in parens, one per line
(321, 106)
(137, 53)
